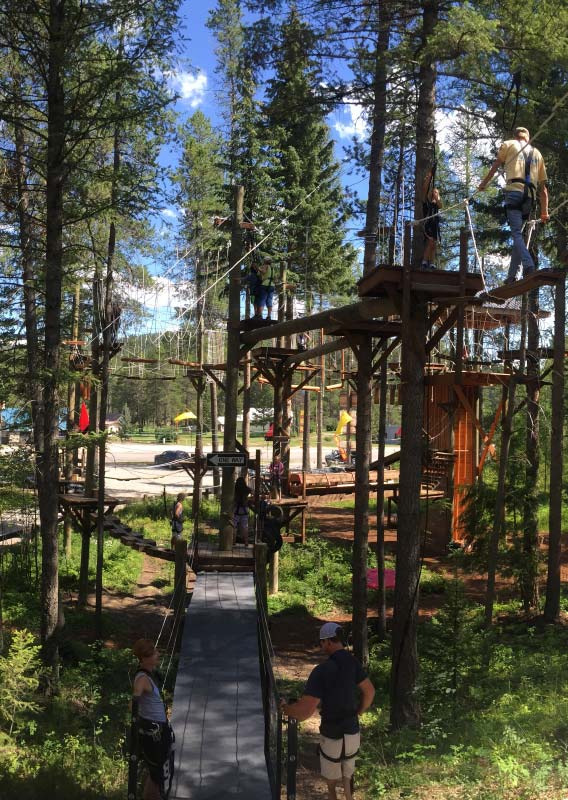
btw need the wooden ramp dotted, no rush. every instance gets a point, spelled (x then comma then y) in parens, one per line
(217, 712)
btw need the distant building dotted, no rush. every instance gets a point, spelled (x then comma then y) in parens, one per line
(114, 423)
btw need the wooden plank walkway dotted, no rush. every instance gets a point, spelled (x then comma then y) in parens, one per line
(217, 707)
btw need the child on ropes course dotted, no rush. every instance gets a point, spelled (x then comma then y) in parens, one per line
(155, 735)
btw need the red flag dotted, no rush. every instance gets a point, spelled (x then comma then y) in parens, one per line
(83, 418)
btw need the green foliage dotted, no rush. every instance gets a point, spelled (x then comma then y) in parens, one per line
(19, 671)
(74, 748)
(121, 567)
(316, 575)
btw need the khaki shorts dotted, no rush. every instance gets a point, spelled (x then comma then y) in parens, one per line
(337, 756)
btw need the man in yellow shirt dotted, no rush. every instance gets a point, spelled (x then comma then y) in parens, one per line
(525, 172)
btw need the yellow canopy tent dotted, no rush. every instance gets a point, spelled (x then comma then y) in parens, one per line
(185, 415)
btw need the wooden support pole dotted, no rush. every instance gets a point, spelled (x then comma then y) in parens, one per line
(380, 548)
(180, 574)
(260, 562)
(464, 238)
(552, 604)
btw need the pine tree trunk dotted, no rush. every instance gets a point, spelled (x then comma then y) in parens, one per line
(232, 374)
(377, 151)
(48, 483)
(405, 709)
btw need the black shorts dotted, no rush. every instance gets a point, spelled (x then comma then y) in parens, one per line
(155, 740)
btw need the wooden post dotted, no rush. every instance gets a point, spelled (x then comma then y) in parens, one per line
(197, 479)
(306, 461)
(215, 437)
(260, 560)
(273, 565)
(380, 548)
(180, 575)
(464, 238)
(552, 604)
(232, 374)
(319, 423)
(363, 352)
(303, 523)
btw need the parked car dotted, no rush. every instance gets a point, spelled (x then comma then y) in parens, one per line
(169, 457)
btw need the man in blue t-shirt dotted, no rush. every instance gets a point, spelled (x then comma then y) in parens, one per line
(335, 684)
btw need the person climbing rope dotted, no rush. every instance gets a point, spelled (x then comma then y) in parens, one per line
(431, 205)
(345, 692)
(265, 292)
(177, 519)
(155, 735)
(525, 171)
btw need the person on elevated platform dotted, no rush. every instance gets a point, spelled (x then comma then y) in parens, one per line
(431, 206)
(345, 692)
(264, 295)
(302, 340)
(525, 172)
(276, 471)
(155, 735)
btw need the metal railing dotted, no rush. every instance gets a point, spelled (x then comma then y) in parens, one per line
(273, 723)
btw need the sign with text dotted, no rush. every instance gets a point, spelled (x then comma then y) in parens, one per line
(228, 460)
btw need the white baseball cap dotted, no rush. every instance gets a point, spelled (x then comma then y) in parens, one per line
(329, 629)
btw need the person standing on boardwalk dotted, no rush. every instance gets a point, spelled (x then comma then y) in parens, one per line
(155, 735)
(345, 692)
(177, 519)
(525, 172)
(241, 511)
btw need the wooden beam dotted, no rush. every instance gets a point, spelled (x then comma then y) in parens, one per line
(321, 350)
(357, 312)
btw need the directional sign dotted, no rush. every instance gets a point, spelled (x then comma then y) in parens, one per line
(226, 460)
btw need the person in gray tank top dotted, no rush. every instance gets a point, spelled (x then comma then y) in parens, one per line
(155, 737)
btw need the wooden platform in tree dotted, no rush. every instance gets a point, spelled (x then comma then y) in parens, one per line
(281, 354)
(383, 329)
(437, 283)
(542, 277)
(469, 378)
(253, 324)
(211, 559)
(491, 316)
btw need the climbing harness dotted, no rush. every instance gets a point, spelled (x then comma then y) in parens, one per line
(527, 202)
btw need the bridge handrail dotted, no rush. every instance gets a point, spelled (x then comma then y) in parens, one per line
(272, 714)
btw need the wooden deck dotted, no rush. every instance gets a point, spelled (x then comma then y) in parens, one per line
(211, 559)
(217, 712)
(386, 279)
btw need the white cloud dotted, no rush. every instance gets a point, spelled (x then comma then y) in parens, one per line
(357, 125)
(190, 86)
(169, 213)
